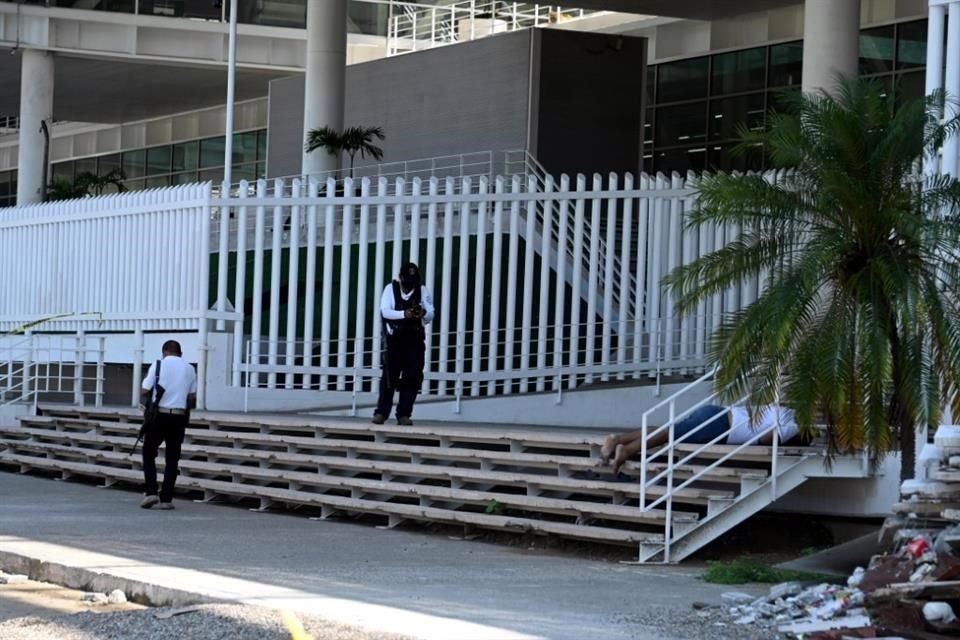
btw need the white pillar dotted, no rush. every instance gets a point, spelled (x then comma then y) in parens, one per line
(831, 42)
(36, 106)
(326, 72)
(951, 147)
(935, 30)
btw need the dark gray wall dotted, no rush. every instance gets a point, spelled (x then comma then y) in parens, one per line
(583, 114)
(589, 102)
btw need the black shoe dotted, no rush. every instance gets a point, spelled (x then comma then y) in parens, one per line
(404, 421)
(378, 418)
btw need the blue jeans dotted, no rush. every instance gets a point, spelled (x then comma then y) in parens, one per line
(719, 424)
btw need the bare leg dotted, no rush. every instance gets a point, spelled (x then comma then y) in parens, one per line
(629, 449)
(613, 441)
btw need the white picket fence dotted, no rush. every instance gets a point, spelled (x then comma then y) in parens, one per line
(115, 263)
(318, 256)
(529, 296)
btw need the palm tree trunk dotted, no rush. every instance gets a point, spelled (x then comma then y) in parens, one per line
(907, 433)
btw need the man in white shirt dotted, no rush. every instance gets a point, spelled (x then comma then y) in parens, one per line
(405, 308)
(177, 392)
(707, 424)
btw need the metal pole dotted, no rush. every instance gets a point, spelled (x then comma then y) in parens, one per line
(231, 81)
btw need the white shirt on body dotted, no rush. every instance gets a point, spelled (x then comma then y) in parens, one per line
(388, 307)
(178, 379)
(743, 431)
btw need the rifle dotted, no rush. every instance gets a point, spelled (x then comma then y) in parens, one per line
(150, 409)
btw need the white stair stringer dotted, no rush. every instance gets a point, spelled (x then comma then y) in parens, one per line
(754, 497)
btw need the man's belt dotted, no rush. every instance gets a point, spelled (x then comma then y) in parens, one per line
(175, 412)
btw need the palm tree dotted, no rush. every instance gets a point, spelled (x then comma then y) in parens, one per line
(858, 326)
(95, 185)
(351, 141)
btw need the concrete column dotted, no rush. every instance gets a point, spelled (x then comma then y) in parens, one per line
(936, 26)
(36, 106)
(831, 42)
(951, 147)
(326, 76)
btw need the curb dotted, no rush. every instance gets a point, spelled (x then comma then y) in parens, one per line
(87, 580)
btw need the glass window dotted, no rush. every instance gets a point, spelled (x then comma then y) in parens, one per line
(912, 45)
(650, 86)
(106, 164)
(681, 124)
(682, 80)
(876, 50)
(681, 160)
(158, 181)
(728, 158)
(782, 99)
(261, 170)
(4, 185)
(739, 71)
(245, 172)
(183, 178)
(134, 164)
(786, 64)
(211, 152)
(158, 160)
(648, 127)
(133, 185)
(729, 114)
(85, 165)
(245, 147)
(124, 6)
(910, 86)
(186, 156)
(212, 175)
(262, 145)
(63, 170)
(276, 13)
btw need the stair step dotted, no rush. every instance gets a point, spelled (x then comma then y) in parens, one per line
(586, 532)
(564, 464)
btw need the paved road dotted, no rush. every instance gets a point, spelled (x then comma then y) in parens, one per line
(516, 591)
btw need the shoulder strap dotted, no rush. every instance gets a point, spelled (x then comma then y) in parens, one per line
(156, 380)
(397, 294)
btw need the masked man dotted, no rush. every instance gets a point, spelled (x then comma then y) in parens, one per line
(406, 308)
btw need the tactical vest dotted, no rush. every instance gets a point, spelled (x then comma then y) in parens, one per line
(405, 326)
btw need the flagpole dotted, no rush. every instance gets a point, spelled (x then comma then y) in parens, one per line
(231, 81)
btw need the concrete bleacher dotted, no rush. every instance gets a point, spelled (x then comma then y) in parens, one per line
(515, 479)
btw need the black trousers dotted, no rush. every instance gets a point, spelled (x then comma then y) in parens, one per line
(403, 362)
(168, 429)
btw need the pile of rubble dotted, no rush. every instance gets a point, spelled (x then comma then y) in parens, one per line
(911, 591)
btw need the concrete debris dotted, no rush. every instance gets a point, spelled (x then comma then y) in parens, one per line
(12, 578)
(938, 612)
(96, 598)
(856, 578)
(734, 598)
(117, 597)
(785, 590)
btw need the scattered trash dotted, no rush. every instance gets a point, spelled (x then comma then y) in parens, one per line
(733, 598)
(117, 597)
(166, 614)
(12, 578)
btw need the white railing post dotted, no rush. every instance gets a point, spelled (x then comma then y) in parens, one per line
(480, 283)
(137, 367)
(560, 293)
(98, 399)
(346, 246)
(463, 271)
(293, 278)
(28, 359)
(309, 305)
(239, 294)
(79, 359)
(514, 251)
(546, 232)
(204, 295)
(608, 285)
(668, 516)
(626, 253)
(495, 280)
(223, 253)
(446, 286)
(527, 292)
(360, 328)
(327, 303)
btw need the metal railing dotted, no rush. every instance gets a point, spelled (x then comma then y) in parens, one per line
(413, 27)
(649, 481)
(66, 367)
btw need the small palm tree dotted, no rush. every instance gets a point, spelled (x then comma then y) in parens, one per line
(351, 141)
(859, 322)
(95, 185)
